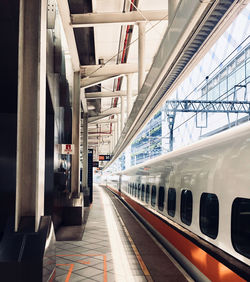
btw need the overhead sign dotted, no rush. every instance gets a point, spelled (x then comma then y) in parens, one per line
(104, 158)
(68, 149)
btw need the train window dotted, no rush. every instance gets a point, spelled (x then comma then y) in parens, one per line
(139, 191)
(209, 215)
(161, 197)
(135, 192)
(147, 193)
(240, 228)
(142, 192)
(153, 195)
(171, 201)
(186, 206)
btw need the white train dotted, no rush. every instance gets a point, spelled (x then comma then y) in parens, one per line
(196, 200)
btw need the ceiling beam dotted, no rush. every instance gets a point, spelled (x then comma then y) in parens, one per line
(64, 11)
(128, 18)
(94, 141)
(109, 70)
(95, 135)
(91, 81)
(96, 118)
(104, 121)
(110, 111)
(107, 94)
(102, 134)
(107, 113)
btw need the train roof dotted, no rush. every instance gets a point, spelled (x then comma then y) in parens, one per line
(219, 142)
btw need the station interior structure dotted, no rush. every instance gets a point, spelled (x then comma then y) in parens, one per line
(93, 89)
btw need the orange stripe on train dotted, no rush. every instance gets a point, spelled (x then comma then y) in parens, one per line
(209, 266)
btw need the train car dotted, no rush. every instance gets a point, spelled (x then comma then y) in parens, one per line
(196, 200)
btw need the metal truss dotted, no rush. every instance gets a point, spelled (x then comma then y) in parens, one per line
(199, 106)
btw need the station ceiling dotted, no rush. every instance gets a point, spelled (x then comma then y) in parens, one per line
(98, 42)
(110, 44)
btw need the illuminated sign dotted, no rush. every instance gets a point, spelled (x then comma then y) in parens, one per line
(104, 158)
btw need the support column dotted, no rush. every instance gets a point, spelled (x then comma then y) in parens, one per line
(113, 135)
(85, 156)
(76, 112)
(31, 111)
(116, 130)
(122, 112)
(97, 147)
(141, 54)
(129, 93)
(111, 140)
(110, 144)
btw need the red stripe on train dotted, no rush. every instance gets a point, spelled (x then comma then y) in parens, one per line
(208, 265)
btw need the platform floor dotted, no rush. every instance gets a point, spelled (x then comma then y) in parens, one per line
(94, 258)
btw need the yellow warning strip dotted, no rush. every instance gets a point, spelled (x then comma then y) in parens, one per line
(137, 254)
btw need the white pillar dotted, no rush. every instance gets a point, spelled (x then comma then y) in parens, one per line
(141, 54)
(31, 116)
(116, 130)
(114, 135)
(129, 93)
(85, 152)
(122, 112)
(111, 144)
(76, 115)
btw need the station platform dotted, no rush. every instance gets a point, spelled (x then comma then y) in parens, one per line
(114, 247)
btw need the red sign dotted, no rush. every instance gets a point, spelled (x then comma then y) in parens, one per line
(67, 149)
